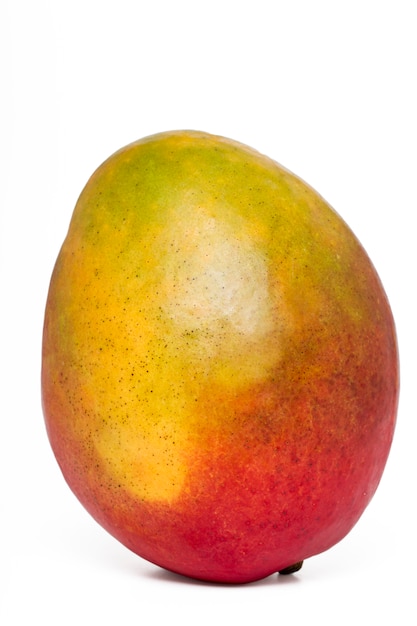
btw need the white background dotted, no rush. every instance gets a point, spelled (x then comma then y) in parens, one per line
(328, 89)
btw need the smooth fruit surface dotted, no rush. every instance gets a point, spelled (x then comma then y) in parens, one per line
(219, 368)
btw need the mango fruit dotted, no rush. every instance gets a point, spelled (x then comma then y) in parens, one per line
(219, 364)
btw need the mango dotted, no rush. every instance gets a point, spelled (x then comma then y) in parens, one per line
(219, 364)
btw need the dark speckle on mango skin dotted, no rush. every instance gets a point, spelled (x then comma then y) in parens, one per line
(220, 368)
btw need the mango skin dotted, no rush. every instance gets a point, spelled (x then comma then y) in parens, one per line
(220, 365)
